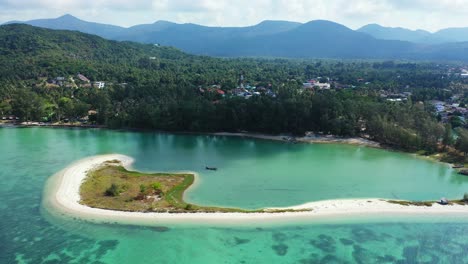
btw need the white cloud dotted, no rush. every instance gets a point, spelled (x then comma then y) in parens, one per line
(426, 14)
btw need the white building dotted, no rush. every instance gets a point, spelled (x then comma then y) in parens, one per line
(321, 86)
(99, 85)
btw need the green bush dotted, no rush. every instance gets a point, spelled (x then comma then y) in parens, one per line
(113, 190)
(188, 207)
(157, 187)
(142, 188)
(465, 197)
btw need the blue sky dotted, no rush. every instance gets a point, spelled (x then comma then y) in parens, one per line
(415, 14)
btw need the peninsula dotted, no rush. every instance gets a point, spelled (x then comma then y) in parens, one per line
(112, 186)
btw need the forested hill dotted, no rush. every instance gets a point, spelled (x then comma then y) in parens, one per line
(29, 52)
(24, 40)
(64, 76)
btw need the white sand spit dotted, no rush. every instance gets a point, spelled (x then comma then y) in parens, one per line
(62, 196)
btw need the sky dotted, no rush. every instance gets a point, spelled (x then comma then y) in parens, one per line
(430, 15)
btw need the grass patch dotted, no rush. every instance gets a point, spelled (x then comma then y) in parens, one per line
(412, 203)
(426, 203)
(113, 187)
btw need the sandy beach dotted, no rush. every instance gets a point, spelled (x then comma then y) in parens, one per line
(306, 139)
(62, 197)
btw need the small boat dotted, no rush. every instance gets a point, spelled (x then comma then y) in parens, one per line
(211, 168)
(458, 166)
(444, 201)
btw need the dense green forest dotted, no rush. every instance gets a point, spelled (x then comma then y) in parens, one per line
(155, 87)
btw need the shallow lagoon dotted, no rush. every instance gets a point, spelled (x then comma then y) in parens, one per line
(252, 173)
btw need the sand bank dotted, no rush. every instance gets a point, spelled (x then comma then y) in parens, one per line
(62, 197)
(306, 139)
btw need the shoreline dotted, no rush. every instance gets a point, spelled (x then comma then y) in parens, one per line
(308, 139)
(315, 138)
(62, 198)
(49, 125)
(330, 139)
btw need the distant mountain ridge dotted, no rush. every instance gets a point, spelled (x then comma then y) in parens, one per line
(448, 35)
(397, 33)
(69, 22)
(315, 39)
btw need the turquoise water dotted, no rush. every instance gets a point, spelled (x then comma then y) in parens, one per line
(252, 173)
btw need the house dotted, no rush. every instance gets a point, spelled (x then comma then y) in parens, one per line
(99, 85)
(92, 112)
(321, 86)
(83, 78)
(439, 106)
(57, 81)
(239, 91)
(311, 84)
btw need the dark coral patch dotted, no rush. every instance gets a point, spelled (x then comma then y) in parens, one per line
(362, 235)
(346, 242)
(280, 249)
(324, 243)
(105, 246)
(240, 241)
(279, 237)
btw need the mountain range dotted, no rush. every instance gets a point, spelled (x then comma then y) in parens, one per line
(448, 35)
(315, 39)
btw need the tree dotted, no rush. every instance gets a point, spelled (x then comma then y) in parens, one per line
(27, 105)
(456, 121)
(5, 108)
(447, 139)
(462, 141)
(113, 190)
